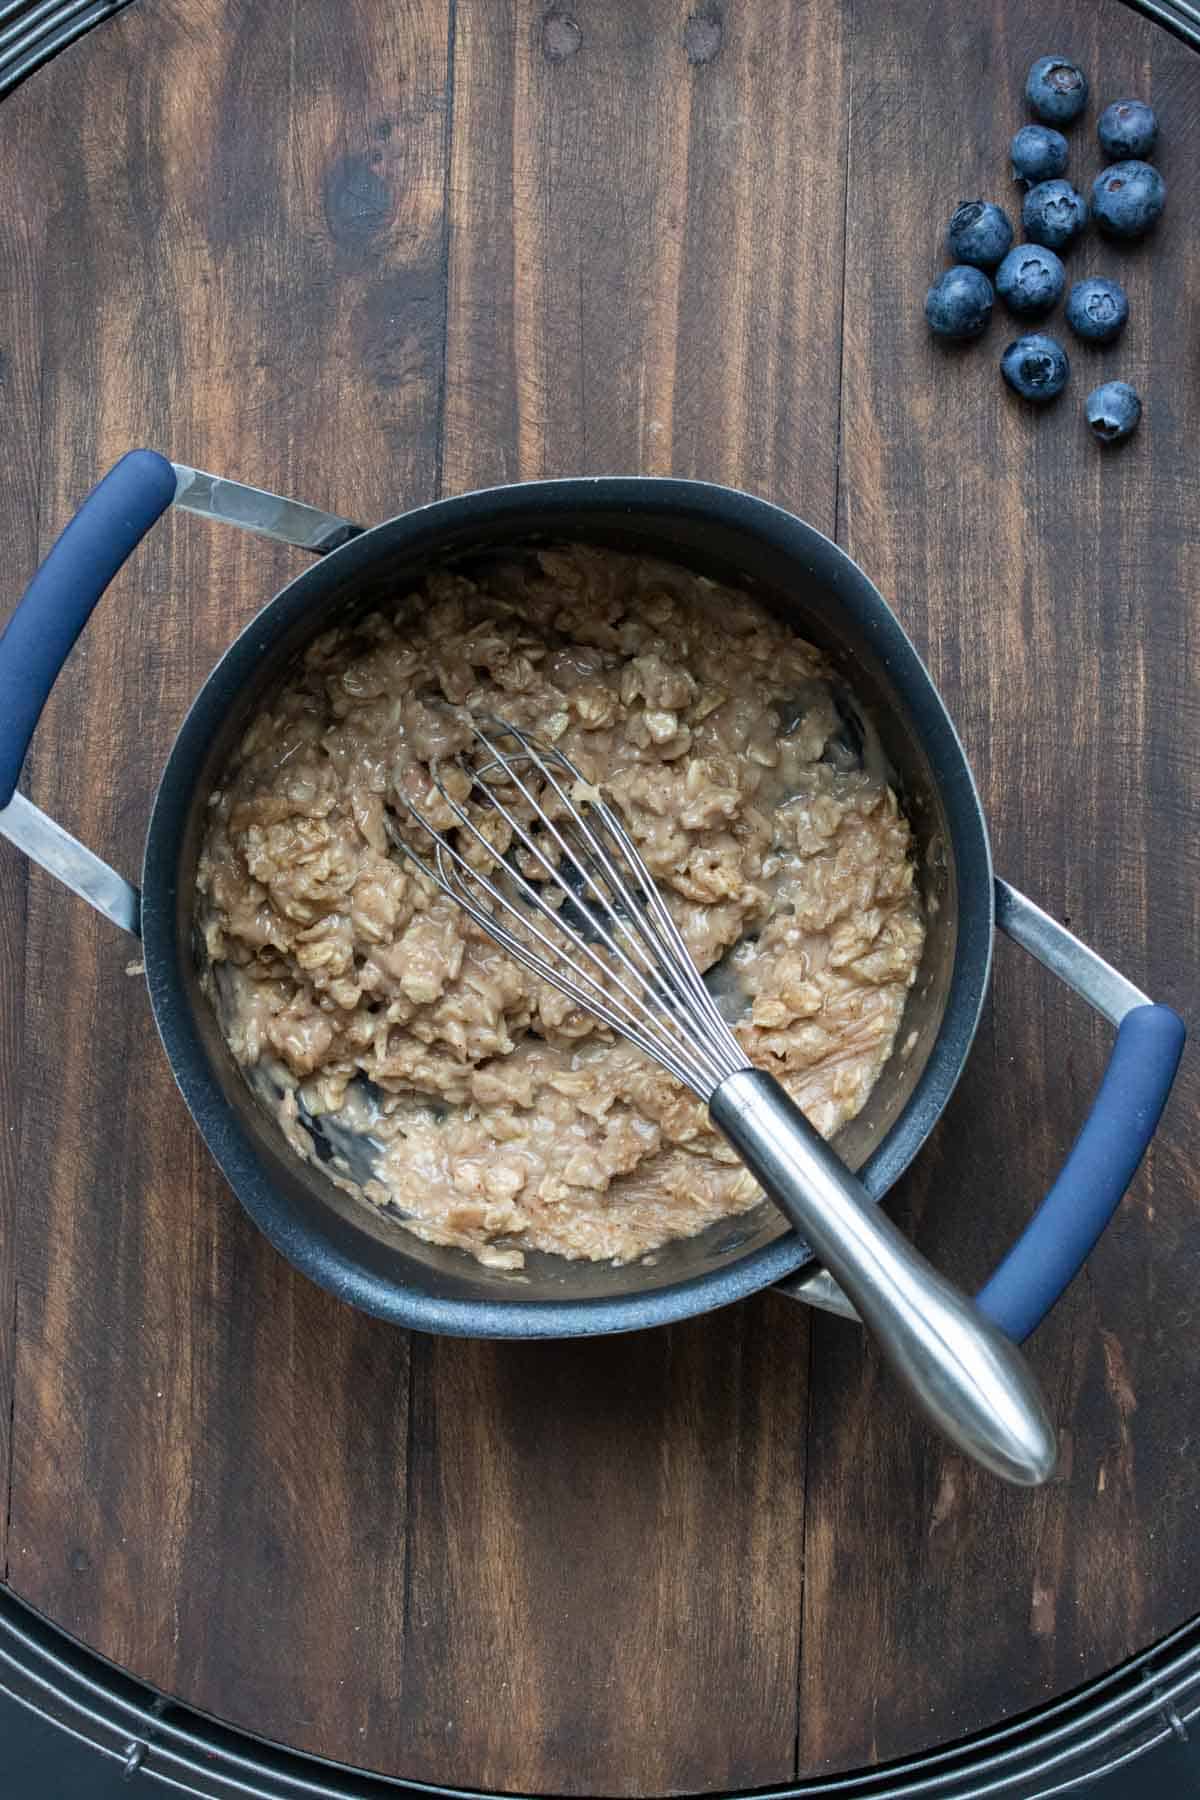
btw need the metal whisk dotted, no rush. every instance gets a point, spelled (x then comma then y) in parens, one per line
(545, 866)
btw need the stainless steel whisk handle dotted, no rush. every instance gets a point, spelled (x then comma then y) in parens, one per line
(971, 1380)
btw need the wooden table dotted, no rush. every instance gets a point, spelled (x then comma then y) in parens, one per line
(367, 253)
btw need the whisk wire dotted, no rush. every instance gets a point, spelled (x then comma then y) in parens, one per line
(643, 916)
(594, 922)
(534, 897)
(632, 919)
(667, 1011)
(463, 896)
(634, 913)
(677, 984)
(598, 1001)
(683, 971)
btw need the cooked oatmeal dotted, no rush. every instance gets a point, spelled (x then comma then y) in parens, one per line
(494, 1115)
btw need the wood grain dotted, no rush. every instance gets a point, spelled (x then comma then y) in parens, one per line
(600, 1534)
(363, 254)
(1052, 588)
(645, 258)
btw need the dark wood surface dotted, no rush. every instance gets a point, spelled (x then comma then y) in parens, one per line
(369, 253)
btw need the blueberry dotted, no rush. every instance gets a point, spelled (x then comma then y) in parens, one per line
(959, 304)
(1035, 367)
(1054, 214)
(1128, 198)
(1127, 128)
(1113, 411)
(1030, 280)
(1097, 309)
(1038, 154)
(979, 233)
(1056, 89)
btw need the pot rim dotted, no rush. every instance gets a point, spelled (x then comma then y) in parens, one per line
(316, 1256)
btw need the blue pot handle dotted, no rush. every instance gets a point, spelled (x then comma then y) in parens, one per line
(1104, 1158)
(60, 599)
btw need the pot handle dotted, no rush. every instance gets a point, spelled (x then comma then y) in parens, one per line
(1104, 1158)
(1116, 1133)
(60, 599)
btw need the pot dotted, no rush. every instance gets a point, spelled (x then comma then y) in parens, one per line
(344, 1244)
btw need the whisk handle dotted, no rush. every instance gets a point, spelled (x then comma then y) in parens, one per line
(971, 1380)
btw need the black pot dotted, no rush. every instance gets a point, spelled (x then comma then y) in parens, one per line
(359, 1253)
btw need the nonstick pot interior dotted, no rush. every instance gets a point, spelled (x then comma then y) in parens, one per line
(363, 1254)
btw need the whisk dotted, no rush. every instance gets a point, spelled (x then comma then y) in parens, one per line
(545, 866)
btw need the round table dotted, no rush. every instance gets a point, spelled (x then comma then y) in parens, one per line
(369, 253)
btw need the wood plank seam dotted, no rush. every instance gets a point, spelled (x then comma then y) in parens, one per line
(848, 41)
(835, 533)
(417, 1349)
(440, 439)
